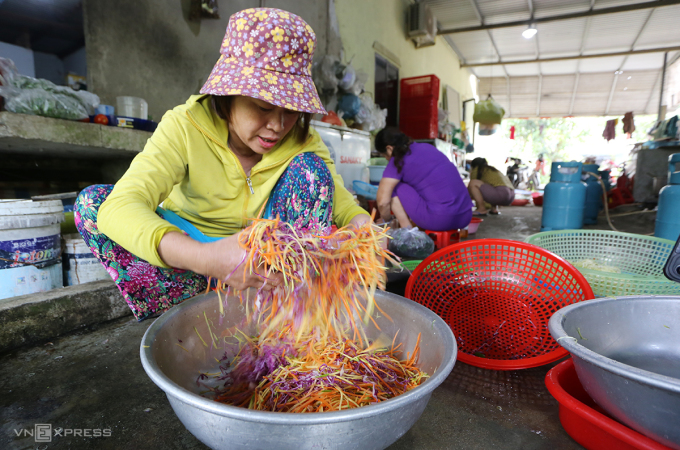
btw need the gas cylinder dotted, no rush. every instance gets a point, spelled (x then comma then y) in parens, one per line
(593, 203)
(606, 175)
(668, 212)
(564, 197)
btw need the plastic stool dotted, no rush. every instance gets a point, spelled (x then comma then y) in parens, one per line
(444, 238)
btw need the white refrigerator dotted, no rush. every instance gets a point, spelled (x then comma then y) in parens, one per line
(349, 148)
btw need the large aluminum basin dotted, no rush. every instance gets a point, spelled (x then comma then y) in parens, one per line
(626, 352)
(173, 355)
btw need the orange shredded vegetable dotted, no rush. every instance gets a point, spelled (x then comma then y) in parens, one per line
(329, 281)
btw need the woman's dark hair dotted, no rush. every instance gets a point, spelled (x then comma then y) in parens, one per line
(401, 145)
(222, 106)
(482, 166)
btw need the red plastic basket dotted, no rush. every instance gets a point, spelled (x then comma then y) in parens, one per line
(419, 128)
(422, 86)
(585, 421)
(497, 296)
(418, 106)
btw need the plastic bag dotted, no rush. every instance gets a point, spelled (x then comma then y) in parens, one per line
(366, 108)
(28, 95)
(8, 72)
(358, 86)
(488, 112)
(323, 74)
(410, 243)
(370, 116)
(43, 103)
(349, 105)
(487, 129)
(333, 119)
(346, 76)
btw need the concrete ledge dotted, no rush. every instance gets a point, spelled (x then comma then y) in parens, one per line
(31, 318)
(36, 135)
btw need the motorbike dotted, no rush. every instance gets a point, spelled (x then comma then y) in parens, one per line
(517, 172)
(519, 175)
(534, 182)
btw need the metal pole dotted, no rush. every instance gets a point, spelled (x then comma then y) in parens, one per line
(663, 81)
(566, 58)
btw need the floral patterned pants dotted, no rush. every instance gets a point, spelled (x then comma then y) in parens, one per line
(303, 196)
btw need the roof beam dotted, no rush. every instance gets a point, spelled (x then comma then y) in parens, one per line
(530, 4)
(538, 100)
(584, 35)
(651, 93)
(573, 94)
(567, 58)
(587, 13)
(611, 92)
(663, 79)
(507, 86)
(480, 17)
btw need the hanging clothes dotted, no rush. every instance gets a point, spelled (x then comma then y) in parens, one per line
(609, 132)
(628, 124)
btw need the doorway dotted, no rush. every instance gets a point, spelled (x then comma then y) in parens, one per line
(387, 89)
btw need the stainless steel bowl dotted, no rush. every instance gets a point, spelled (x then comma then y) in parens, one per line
(173, 354)
(626, 352)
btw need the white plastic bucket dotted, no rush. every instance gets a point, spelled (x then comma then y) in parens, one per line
(132, 107)
(29, 246)
(68, 199)
(80, 265)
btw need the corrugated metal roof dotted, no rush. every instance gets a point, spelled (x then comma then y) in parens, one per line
(454, 13)
(495, 11)
(511, 44)
(634, 91)
(613, 32)
(661, 29)
(598, 90)
(560, 38)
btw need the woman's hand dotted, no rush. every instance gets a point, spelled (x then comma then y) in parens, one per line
(360, 220)
(384, 197)
(223, 260)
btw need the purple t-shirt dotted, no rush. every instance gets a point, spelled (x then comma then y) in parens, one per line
(436, 180)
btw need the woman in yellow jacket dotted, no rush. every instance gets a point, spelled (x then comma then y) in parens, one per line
(212, 164)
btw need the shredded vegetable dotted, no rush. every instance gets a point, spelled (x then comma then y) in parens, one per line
(592, 264)
(311, 353)
(305, 375)
(329, 281)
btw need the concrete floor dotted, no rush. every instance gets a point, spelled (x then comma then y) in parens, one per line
(94, 380)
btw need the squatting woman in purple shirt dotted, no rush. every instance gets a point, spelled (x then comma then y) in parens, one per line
(420, 185)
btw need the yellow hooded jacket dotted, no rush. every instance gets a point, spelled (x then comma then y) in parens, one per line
(188, 167)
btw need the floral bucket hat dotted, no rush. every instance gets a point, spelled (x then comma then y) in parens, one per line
(267, 54)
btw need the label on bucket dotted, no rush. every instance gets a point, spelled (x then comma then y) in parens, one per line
(83, 268)
(39, 251)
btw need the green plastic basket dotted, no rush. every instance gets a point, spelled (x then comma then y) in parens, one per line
(639, 258)
(410, 265)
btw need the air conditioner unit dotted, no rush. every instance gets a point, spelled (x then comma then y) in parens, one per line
(422, 27)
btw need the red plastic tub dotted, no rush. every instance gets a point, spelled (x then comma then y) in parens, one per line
(474, 225)
(585, 421)
(538, 200)
(520, 202)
